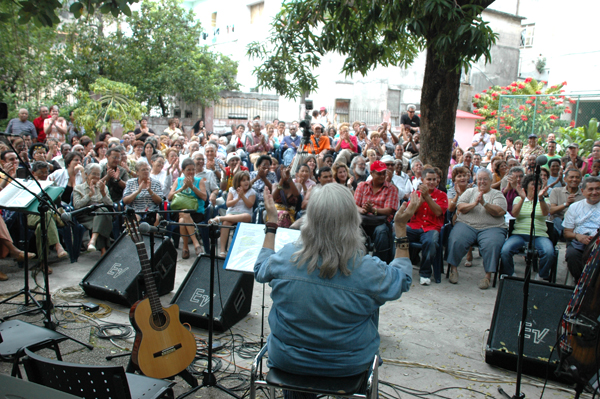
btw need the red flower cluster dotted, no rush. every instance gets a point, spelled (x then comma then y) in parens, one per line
(553, 117)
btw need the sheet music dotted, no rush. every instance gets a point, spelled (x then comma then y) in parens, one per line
(14, 196)
(247, 243)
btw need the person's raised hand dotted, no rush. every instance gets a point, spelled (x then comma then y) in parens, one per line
(571, 199)
(102, 188)
(479, 199)
(424, 189)
(543, 193)
(521, 192)
(270, 205)
(407, 210)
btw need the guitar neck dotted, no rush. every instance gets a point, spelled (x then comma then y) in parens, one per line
(151, 290)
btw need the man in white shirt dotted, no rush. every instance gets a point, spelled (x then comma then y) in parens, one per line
(581, 224)
(492, 145)
(480, 140)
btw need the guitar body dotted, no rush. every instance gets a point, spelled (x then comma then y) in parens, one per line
(163, 346)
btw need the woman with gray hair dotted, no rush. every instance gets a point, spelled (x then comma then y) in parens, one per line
(94, 192)
(334, 332)
(143, 194)
(480, 220)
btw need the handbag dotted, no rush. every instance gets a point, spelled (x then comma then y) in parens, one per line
(372, 220)
(182, 201)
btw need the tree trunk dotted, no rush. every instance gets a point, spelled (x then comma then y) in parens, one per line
(163, 107)
(439, 101)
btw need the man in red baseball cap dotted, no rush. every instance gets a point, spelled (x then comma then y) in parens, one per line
(376, 198)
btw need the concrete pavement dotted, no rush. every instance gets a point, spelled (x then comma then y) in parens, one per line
(433, 338)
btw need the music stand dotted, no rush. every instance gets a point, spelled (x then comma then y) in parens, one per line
(34, 209)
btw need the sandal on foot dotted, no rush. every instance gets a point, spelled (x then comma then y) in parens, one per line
(222, 254)
(62, 254)
(91, 248)
(216, 220)
(199, 250)
(468, 264)
(21, 256)
(185, 254)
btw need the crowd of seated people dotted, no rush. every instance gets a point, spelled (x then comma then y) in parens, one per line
(221, 179)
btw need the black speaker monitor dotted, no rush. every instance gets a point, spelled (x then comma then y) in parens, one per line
(117, 277)
(547, 303)
(232, 300)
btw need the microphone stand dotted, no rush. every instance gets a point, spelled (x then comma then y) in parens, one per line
(209, 379)
(531, 259)
(46, 305)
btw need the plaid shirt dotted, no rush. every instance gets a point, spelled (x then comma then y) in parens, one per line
(386, 197)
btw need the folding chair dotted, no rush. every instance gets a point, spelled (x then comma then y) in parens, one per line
(360, 386)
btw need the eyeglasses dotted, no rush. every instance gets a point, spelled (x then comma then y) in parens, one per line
(389, 165)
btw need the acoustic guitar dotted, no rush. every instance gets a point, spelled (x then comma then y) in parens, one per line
(163, 347)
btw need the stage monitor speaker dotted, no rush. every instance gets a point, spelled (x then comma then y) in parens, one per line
(117, 277)
(232, 295)
(547, 303)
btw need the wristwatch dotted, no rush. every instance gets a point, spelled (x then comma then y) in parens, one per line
(375, 211)
(271, 227)
(566, 205)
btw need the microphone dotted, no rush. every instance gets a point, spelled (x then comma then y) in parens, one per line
(67, 217)
(541, 160)
(146, 228)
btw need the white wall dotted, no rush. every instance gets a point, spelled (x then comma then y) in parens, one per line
(369, 92)
(566, 35)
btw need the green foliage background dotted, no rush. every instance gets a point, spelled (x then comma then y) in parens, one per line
(155, 50)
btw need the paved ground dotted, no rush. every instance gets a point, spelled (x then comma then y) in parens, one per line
(432, 339)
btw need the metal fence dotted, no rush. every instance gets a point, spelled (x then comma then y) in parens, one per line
(372, 117)
(521, 115)
(246, 109)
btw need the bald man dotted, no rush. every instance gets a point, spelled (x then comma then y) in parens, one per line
(21, 125)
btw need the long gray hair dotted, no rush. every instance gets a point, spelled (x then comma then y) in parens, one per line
(331, 233)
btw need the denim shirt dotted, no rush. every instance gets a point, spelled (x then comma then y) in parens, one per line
(327, 326)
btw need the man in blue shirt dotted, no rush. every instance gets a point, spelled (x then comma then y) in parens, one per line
(21, 125)
(290, 145)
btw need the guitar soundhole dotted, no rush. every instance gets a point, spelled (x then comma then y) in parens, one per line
(159, 321)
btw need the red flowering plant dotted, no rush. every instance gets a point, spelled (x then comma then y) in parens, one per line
(522, 108)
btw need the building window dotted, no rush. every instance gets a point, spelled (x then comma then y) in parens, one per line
(256, 12)
(527, 35)
(213, 20)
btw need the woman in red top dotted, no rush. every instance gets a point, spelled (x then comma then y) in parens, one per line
(234, 165)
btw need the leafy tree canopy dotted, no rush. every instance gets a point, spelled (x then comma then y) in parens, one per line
(110, 101)
(158, 53)
(45, 12)
(370, 34)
